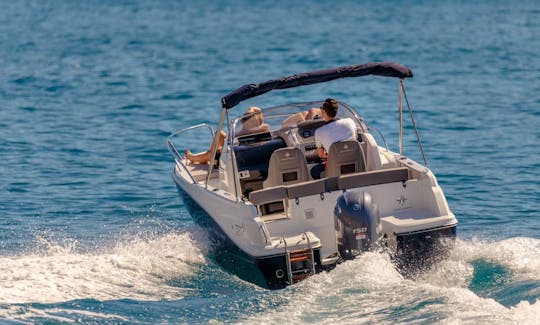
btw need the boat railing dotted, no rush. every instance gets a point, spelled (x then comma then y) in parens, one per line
(267, 240)
(287, 261)
(380, 134)
(312, 257)
(178, 157)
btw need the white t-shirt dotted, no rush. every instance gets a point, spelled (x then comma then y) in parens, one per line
(335, 131)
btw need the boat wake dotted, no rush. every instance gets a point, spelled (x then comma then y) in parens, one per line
(481, 282)
(138, 268)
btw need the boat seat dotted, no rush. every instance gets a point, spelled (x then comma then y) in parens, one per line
(268, 195)
(391, 175)
(199, 171)
(263, 128)
(269, 200)
(287, 166)
(306, 189)
(371, 150)
(345, 157)
(331, 184)
(252, 159)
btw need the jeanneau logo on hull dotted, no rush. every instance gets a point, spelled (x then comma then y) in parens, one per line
(238, 228)
(401, 200)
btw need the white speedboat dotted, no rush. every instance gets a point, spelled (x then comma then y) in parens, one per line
(272, 224)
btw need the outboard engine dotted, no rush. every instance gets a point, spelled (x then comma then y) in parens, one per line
(357, 223)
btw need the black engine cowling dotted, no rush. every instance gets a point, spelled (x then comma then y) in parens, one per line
(357, 223)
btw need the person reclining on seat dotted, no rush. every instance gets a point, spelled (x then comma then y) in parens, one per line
(293, 120)
(333, 131)
(204, 157)
(252, 122)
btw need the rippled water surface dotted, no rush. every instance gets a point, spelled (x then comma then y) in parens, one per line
(93, 230)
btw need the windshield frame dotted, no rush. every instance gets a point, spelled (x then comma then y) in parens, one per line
(275, 115)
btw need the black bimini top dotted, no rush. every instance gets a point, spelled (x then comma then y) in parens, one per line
(386, 69)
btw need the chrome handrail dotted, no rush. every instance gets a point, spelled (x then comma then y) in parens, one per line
(266, 239)
(177, 156)
(380, 134)
(287, 261)
(311, 250)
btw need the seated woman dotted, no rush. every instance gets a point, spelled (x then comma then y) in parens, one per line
(294, 119)
(204, 157)
(252, 122)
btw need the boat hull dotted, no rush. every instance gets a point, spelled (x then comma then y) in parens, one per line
(268, 272)
(415, 253)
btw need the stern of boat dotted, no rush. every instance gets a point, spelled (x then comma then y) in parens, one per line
(418, 251)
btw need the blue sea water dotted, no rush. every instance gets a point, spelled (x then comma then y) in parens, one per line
(92, 229)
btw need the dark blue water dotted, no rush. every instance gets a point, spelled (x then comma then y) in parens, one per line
(91, 226)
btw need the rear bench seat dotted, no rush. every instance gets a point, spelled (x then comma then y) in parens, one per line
(271, 200)
(383, 176)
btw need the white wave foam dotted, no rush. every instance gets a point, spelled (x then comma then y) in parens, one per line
(366, 290)
(135, 269)
(370, 290)
(25, 315)
(521, 255)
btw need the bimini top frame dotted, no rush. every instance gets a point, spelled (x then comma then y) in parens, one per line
(386, 69)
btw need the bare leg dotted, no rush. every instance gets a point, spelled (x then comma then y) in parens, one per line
(198, 158)
(204, 157)
(294, 119)
(221, 140)
(312, 113)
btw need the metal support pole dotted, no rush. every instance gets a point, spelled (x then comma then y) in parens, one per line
(230, 143)
(414, 126)
(400, 105)
(215, 143)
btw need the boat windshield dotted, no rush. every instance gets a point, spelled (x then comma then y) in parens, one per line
(283, 117)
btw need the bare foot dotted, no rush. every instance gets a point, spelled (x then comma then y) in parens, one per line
(188, 156)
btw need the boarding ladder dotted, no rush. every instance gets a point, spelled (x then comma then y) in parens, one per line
(300, 263)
